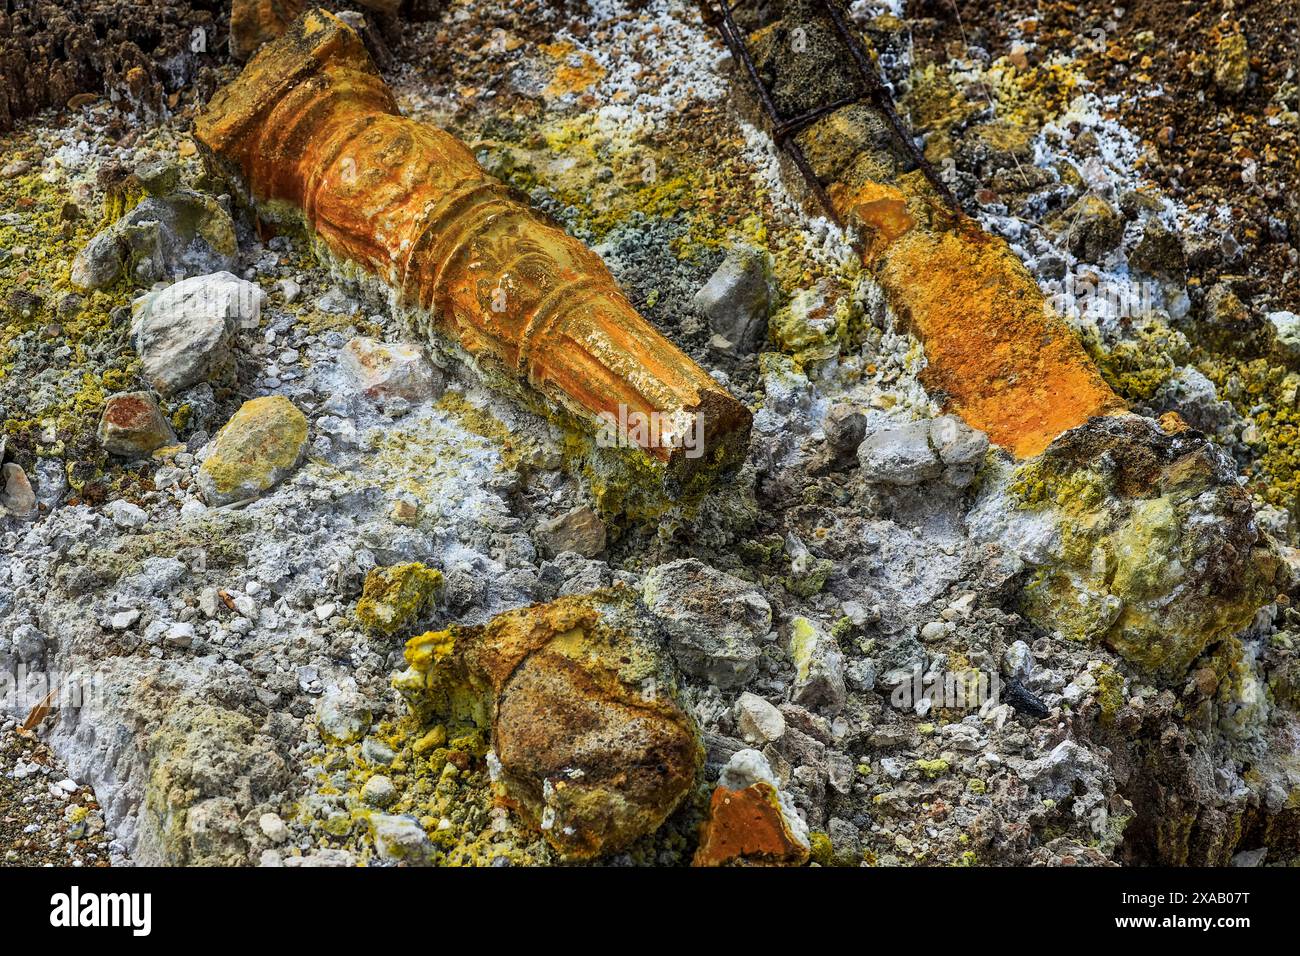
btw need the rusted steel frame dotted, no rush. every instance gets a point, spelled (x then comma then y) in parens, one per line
(883, 101)
(310, 131)
(782, 130)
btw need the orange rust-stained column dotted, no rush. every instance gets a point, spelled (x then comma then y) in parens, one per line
(310, 129)
(994, 348)
(996, 352)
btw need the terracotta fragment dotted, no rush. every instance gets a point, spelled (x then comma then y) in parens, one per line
(311, 130)
(747, 827)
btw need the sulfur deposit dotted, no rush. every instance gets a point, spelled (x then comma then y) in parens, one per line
(461, 434)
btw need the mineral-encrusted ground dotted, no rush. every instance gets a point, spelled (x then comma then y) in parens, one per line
(241, 600)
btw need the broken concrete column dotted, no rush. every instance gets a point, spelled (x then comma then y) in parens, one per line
(1007, 363)
(310, 132)
(590, 741)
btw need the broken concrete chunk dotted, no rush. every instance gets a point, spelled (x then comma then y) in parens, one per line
(558, 331)
(751, 820)
(183, 332)
(591, 743)
(819, 667)
(133, 426)
(258, 448)
(737, 299)
(715, 622)
(580, 530)
(383, 369)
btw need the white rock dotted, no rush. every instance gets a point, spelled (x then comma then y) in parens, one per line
(126, 515)
(183, 332)
(273, 827)
(180, 634)
(388, 370)
(758, 721)
(124, 619)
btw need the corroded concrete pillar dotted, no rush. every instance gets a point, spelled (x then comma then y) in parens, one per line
(310, 133)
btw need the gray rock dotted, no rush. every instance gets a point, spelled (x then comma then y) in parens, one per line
(1018, 661)
(580, 530)
(845, 426)
(861, 674)
(379, 791)
(737, 299)
(28, 643)
(342, 715)
(900, 455)
(377, 752)
(715, 622)
(920, 451)
(819, 667)
(185, 233)
(1286, 329)
(1247, 858)
(386, 370)
(183, 332)
(400, 839)
(1190, 393)
(180, 634)
(126, 515)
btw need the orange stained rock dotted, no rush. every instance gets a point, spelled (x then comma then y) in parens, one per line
(254, 22)
(747, 826)
(1004, 361)
(593, 743)
(310, 128)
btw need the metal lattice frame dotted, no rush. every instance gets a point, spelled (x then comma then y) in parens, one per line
(783, 130)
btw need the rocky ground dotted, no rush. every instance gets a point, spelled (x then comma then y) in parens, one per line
(240, 623)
